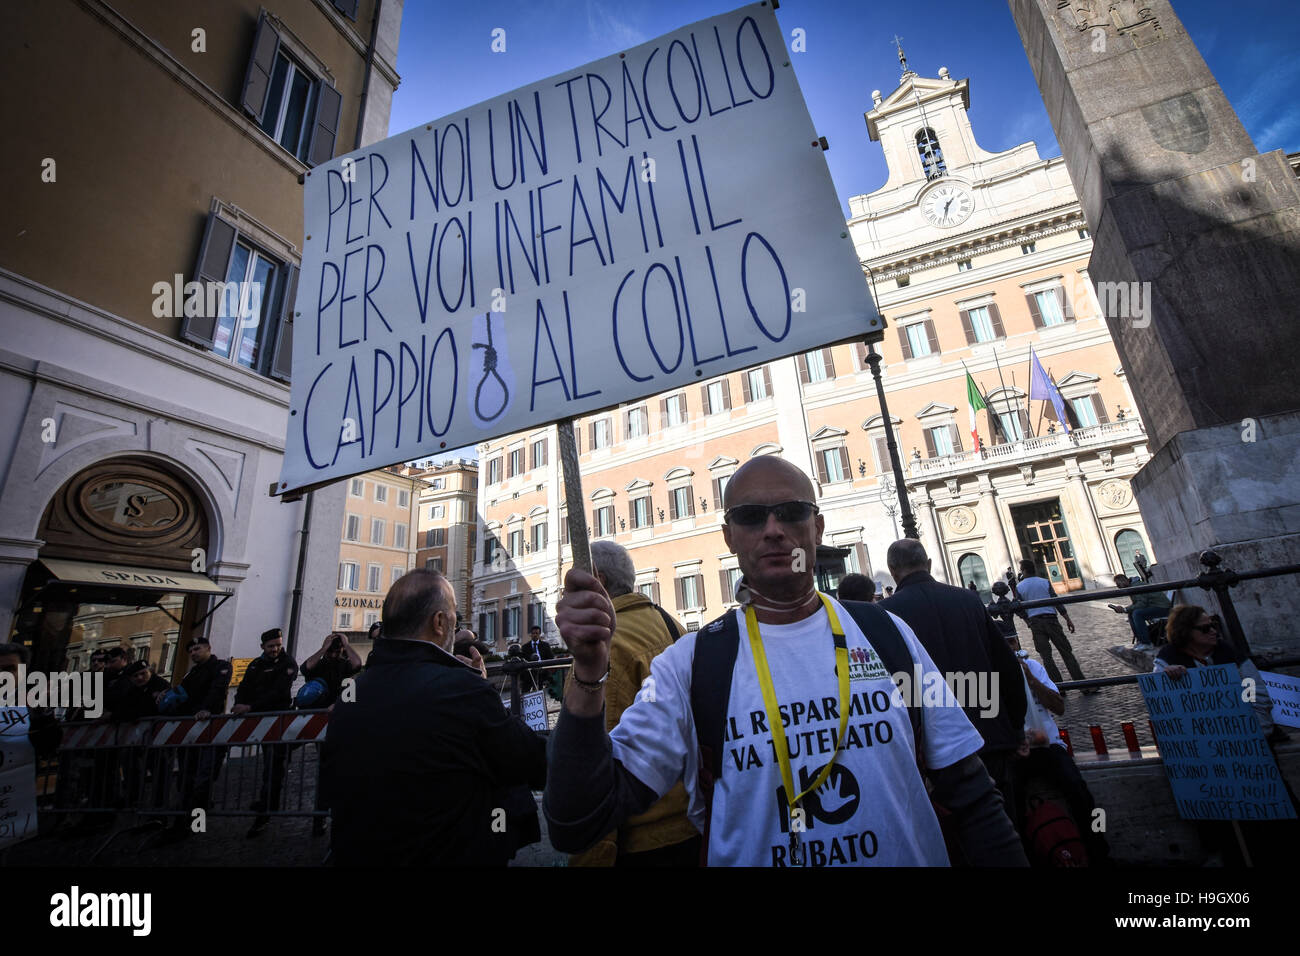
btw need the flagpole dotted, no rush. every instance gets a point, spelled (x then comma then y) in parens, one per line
(1032, 433)
(997, 424)
(1000, 382)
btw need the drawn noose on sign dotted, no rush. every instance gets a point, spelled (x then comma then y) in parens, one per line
(489, 368)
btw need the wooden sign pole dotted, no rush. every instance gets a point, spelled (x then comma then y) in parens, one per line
(577, 513)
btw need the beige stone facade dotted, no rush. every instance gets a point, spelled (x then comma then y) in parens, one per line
(377, 547)
(446, 522)
(975, 257)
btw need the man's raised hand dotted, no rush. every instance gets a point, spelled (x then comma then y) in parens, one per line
(585, 617)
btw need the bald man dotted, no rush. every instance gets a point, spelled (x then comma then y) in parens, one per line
(848, 749)
(412, 768)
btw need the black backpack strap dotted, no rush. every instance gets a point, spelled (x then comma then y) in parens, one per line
(885, 638)
(669, 623)
(716, 646)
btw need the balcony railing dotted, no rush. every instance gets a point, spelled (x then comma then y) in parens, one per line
(1029, 449)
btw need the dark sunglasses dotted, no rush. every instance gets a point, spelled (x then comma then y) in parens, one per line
(787, 512)
(1206, 628)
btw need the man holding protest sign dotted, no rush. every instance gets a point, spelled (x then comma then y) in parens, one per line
(850, 747)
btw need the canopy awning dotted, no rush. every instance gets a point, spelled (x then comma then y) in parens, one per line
(116, 576)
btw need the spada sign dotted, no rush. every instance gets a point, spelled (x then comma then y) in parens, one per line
(653, 219)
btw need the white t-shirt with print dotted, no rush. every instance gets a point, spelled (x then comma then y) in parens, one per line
(872, 810)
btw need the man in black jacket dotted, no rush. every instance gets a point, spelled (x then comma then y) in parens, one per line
(411, 766)
(960, 637)
(265, 687)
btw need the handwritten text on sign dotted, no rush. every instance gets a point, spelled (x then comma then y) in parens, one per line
(655, 218)
(17, 777)
(1215, 757)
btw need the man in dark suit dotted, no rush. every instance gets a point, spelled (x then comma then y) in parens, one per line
(960, 637)
(535, 649)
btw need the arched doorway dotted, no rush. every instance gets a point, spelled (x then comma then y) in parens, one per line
(970, 567)
(1128, 544)
(125, 546)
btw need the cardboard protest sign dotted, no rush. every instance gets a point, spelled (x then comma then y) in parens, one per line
(652, 219)
(17, 777)
(1285, 692)
(1215, 757)
(533, 710)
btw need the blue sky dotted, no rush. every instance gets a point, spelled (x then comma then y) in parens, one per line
(446, 63)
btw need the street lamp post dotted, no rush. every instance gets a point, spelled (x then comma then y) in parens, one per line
(895, 463)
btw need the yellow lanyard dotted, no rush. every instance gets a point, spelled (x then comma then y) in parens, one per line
(774, 711)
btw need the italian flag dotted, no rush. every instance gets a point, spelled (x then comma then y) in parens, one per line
(976, 402)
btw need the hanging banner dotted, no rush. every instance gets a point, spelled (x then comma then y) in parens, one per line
(17, 777)
(653, 219)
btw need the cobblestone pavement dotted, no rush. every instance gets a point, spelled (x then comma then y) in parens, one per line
(1097, 629)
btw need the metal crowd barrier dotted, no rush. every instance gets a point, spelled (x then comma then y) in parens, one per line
(169, 766)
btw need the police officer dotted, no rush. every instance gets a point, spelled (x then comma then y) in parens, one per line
(203, 690)
(265, 687)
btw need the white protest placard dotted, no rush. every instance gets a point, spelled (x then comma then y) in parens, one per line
(1285, 691)
(17, 777)
(652, 219)
(533, 710)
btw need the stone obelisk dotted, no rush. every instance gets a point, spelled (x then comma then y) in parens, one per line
(1196, 259)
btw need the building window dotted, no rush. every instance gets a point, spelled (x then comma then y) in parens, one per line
(833, 464)
(1084, 234)
(728, 578)
(757, 383)
(640, 512)
(963, 265)
(487, 626)
(516, 462)
(719, 490)
(903, 281)
(435, 537)
(372, 577)
(942, 440)
(357, 489)
(539, 453)
(539, 533)
(564, 526)
(1028, 248)
(490, 545)
(397, 573)
(437, 484)
(681, 503)
(433, 564)
(602, 521)
(516, 540)
(880, 447)
(248, 295)
(399, 535)
(494, 471)
(403, 498)
(981, 324)
(536, 615)
(372, 618)
(816, 366)
(673, 410)
(345, 620)
(293, 107)
(377, 530)
(690, 592)
(1048, 307)
(381, 493)
(437, 511)
(601, 434)
(349, 576)
(917, 337)
(1012, 429)
(717, 397)
(1088, 410)
(353, 529)
(512, 623)
(638, 422)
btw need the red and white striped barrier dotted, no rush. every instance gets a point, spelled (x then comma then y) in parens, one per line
(216, 731)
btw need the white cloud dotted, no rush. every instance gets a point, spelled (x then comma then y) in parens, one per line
(607, 22)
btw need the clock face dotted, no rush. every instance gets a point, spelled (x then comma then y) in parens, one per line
(947, 205)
